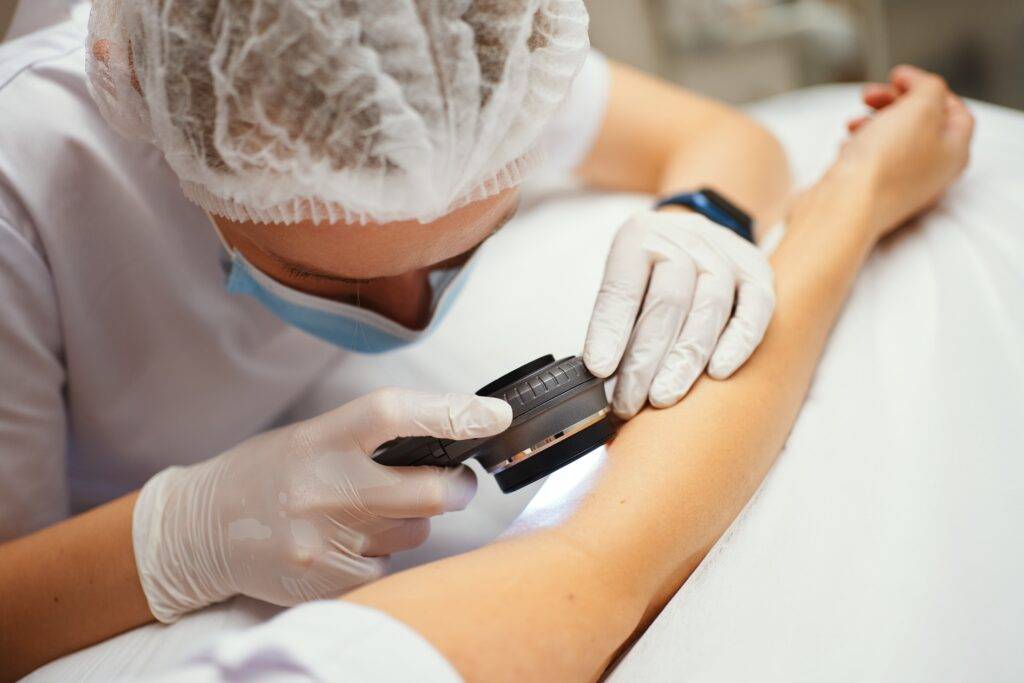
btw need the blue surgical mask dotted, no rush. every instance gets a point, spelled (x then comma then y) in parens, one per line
(344, 325)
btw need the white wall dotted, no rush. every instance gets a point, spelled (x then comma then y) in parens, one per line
(17, 19)
(624, 30)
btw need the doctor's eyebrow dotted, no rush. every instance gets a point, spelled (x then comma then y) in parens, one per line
(303, 270)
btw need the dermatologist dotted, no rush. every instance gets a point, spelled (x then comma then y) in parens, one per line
(204, 205)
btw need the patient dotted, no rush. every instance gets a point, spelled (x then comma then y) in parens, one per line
(576, 580)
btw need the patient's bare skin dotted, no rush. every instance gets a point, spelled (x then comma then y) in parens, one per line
(561, 594)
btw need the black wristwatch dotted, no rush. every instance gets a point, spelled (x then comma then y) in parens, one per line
(717, 208)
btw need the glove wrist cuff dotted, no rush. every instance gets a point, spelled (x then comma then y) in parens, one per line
(180, 567)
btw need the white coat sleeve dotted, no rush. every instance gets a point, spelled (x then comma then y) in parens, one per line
(328, 640)
(33, 429)
(574, 128)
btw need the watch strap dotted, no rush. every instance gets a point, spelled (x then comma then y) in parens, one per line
(716, 208)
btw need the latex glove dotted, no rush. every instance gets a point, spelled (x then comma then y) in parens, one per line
(303, 512)
(683, 274)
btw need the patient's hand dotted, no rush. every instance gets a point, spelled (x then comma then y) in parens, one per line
(912, 149)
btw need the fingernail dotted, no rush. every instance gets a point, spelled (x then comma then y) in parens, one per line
(723, 363)
(663, 395)
(622, 412)
(480, 416)
(461, 489)
(496, 413)
(630, 401)
(721, 369)
(622, 408)
(597, 361)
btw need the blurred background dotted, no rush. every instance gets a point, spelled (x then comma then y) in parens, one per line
(745, 50)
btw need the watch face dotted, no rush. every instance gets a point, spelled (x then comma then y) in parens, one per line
(733, 211)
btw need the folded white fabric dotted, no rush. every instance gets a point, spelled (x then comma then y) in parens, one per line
(328, 640)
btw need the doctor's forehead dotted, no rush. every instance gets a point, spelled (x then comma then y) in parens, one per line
(382, 250)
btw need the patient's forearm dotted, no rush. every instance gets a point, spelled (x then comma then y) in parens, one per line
(68, 586)
(738, 158)
(560, 596)
(659, 139)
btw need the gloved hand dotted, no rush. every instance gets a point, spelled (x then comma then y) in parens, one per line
(687, 272)
(303, 512)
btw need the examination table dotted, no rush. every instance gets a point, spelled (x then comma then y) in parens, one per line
(886, 544)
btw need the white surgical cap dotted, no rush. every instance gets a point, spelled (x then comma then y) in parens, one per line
(280, 111)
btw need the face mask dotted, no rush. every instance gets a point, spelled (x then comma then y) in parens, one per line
(344, 325)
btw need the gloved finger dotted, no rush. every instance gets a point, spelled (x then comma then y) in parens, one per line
(754, 307)
(338, 571)
(351, 521)
(625, 279)
(421, 492)
(387, 414)
(712, 307)
(668, 300)
(406, 535)
(328, 575)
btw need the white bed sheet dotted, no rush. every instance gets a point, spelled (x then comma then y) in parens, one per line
(885, 544)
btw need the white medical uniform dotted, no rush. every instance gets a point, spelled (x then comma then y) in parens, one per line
(327, 640)
(121, 353)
